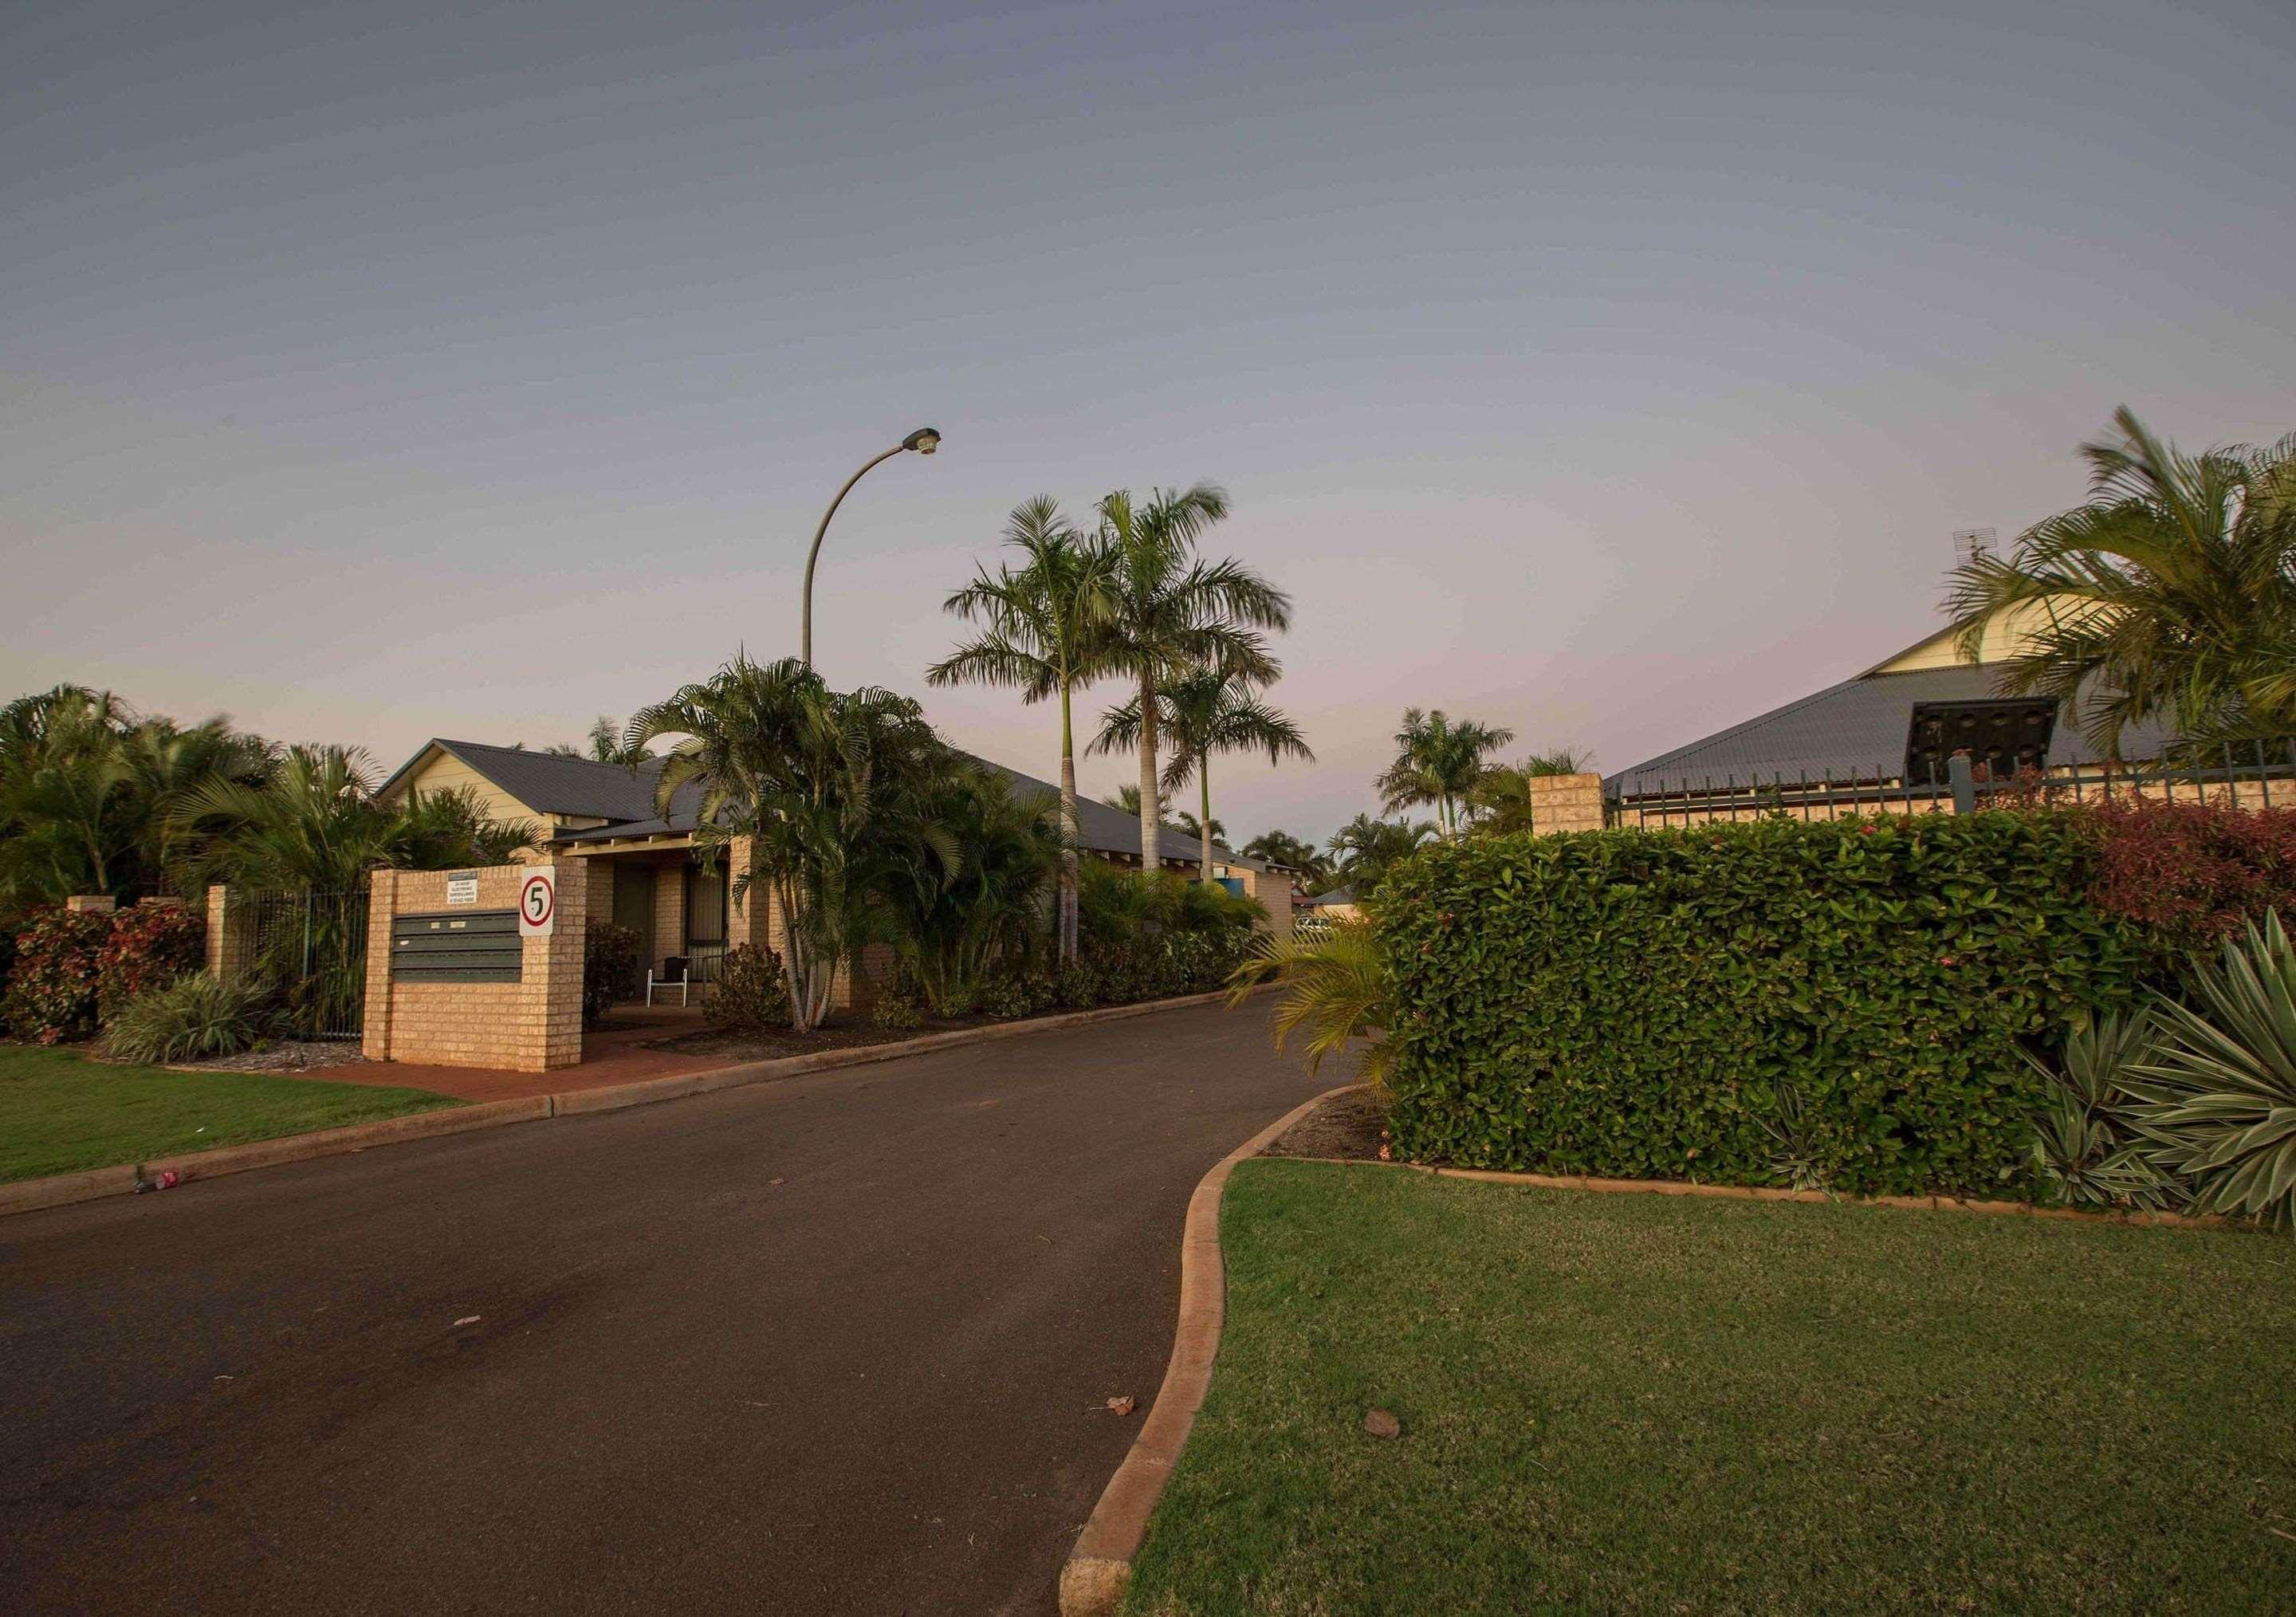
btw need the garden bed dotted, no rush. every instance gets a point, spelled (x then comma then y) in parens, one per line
(1649, 1404)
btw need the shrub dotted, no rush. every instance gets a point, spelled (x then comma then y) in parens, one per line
(194, 1017)
(900, 1001)
(2192, 874)
(147, 948)
(1016, 993)
(1636, 1004)
(610, 967)
(52, 987)
(751, 995)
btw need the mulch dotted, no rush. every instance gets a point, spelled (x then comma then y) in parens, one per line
(1351, 1127)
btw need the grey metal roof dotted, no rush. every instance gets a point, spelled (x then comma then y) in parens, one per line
(1102, 829)
(1853, 731)
(549, 784)
(1338, 895)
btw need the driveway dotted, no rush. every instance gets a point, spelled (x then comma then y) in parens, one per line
(841, 1343)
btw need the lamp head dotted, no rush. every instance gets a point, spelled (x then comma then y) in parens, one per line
(925, 440)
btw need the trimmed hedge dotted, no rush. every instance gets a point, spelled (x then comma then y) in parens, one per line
(1742, 1004)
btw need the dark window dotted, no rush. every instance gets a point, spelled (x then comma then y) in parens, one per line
(705, 906)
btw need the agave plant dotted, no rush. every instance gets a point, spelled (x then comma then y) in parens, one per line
(2082, 1144)
(1333, 988)
(2215, 1099)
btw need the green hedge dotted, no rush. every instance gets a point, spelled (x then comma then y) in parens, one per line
(1664, 1005)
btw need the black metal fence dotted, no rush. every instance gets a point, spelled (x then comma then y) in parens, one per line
(2248, 773)
(311, 946)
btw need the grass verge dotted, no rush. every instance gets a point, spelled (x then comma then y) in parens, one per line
(1650, 1404)
(60, 1113)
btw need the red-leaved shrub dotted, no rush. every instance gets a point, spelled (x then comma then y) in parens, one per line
(51, 986)
(2191, 873)
(150, 946)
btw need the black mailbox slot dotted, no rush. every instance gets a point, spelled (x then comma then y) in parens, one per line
(457, 945)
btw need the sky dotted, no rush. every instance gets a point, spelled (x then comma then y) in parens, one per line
(1609, 371)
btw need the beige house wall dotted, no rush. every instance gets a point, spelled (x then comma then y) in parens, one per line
(532, 1025)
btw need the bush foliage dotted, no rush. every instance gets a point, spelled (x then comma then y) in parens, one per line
(610, 968)
(52, 987)
(194, 1017)
(147, 950)
(2192, 874)
(1758, 1004)
(751, 994)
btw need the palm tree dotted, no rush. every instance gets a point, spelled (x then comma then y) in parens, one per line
(1216, 828)
(1364, 848)
(1041, 627)
(2170, 596)
(1174, 612)
(980, 910)
(832, 790)
(1294, 853)
(1499, 801)
(609, 744)
(1206, 713)
(1438, 762)
(1334, 987)
(1127, 797)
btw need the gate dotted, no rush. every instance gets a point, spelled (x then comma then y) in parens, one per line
(312, 947)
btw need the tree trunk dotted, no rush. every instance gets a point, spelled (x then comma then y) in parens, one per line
(1071, 834)
(1152, 841)
(1204, 781)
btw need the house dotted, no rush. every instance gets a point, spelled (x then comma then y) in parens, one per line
(1887, 732)
(1337, 905)
(642, 868)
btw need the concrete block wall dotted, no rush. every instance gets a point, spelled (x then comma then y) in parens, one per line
(532, 1025)
(1566, 802)
(1272, 889)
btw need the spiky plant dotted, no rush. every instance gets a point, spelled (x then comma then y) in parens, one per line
(1333, 990)
(2082, 1148)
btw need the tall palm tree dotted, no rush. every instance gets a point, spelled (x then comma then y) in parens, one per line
(1174, 612)
(1438, 762)
(1364, 848)
(1205, 712)
(1041, 626)
(1294, 853)
(1499, 801)
(2170, 596)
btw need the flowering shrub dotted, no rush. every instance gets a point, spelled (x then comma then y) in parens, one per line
(147, 948)
(52, 987)
(2191, 873)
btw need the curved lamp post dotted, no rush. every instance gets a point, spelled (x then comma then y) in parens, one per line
(925, 440)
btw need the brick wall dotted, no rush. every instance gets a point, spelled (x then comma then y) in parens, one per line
(231, 933)
(1566, 802)
(532, 1025)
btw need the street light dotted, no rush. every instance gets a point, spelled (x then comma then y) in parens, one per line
(925, 440)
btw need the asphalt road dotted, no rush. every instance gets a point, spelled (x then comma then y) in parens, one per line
(836, 1345)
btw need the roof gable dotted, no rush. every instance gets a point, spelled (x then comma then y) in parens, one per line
(546, 783)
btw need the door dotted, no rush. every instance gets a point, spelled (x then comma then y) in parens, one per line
(705, 919)
(633, 907)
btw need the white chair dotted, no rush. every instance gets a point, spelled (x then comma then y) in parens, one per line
(672, 975)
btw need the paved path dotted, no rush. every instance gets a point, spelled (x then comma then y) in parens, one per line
(835, 1344)
(615, 1054)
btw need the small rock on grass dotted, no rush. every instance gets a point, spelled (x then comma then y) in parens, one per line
(1381, 1422)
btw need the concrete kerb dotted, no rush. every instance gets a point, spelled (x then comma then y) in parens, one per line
(1099, 1567)
(61, 1190)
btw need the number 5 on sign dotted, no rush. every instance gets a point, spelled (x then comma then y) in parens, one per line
(538, 902)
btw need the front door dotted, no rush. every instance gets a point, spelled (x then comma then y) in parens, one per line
(634, 907)
(705, 919)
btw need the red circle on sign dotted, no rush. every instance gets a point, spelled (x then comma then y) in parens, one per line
(549, 900)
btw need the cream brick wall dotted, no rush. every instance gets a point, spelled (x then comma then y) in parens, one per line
(231, 933)
(1566, 802)
(532, 1025)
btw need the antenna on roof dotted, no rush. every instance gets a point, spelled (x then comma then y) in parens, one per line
(1973, 544)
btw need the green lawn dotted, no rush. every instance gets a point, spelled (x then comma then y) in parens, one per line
(1631, 1403)
(60, 1112)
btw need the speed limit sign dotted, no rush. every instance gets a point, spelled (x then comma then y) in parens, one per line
(538, 902)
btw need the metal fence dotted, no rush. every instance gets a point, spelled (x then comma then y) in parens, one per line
(2247, 775)
(311, 946)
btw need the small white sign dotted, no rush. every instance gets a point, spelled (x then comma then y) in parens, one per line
(538, 902)
(463, 887)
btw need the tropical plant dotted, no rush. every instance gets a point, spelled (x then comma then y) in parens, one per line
(2215, 1099)
(972, 905)
(1499, 801)
(193, 1017)
(146, 949)
(1335, 991)
(1041, 628)
(51, 984)
(1173, 612)
(749, 993)
(1205, 711)
(2082, 1149)
(832, 793)
(1292, 852)
(2170, 596)
(608, 743)
(1438, 762)
(1127, 797)
(1364, 849)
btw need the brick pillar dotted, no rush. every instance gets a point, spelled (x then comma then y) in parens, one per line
(1566, 802)
(382, 905)
(550, 977)
(231, 934)
(1272, 889)
(91, 904)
